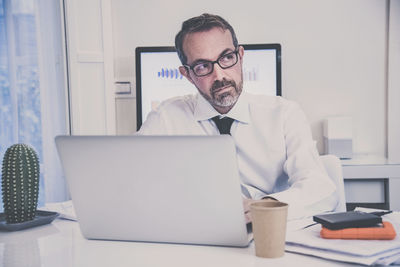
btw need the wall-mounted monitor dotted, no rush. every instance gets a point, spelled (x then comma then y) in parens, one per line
(158, 77)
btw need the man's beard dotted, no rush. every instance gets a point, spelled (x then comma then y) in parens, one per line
(226, 99)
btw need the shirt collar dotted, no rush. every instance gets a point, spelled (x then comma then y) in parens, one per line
(239, 112)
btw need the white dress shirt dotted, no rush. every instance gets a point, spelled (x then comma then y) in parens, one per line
(276, 154)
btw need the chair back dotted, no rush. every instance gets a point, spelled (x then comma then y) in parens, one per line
(334, 169)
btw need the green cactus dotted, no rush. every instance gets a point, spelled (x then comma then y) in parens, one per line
(20, 183)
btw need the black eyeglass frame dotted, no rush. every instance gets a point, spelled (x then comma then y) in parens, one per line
(213, 62)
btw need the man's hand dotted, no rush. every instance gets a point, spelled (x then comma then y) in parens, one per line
(246, 205)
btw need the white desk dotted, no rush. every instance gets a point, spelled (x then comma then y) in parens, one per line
(372, 179)
(61, 244)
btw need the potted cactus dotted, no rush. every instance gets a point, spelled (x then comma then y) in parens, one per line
(20, 189)
(20, 183)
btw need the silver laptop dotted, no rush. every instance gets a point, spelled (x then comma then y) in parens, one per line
(174, 189)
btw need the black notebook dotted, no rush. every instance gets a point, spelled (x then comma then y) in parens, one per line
(350, 219)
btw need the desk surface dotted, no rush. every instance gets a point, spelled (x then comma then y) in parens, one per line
(61, 244)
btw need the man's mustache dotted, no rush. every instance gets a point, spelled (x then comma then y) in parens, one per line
(219, 84)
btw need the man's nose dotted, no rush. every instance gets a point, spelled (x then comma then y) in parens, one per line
(218, 72)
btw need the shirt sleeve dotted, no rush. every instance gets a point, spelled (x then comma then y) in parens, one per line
(310, 191)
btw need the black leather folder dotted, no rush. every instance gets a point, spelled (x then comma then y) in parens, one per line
(350, 219)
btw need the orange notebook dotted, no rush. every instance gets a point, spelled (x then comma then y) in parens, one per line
(383, 232)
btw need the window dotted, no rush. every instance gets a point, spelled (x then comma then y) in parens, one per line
(32, 86)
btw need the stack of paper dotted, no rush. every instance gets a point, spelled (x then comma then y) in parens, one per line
(367, 252)
(65, 209)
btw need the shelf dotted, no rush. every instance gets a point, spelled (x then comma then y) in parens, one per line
(367, 159)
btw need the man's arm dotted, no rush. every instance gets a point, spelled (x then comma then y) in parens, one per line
(310, 189)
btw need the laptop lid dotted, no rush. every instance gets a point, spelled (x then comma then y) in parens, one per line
(178, 189)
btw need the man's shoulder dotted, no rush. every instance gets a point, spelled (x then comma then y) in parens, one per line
(177, 103)
(164, 118)
(269, 101)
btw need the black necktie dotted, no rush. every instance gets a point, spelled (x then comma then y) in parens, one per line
(224, 124)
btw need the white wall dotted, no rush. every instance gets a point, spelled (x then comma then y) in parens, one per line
(394, 83)
(333, 51)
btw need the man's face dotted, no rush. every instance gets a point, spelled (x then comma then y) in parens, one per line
(221, 87)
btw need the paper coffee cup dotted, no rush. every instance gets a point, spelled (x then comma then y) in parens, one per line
(269, 227)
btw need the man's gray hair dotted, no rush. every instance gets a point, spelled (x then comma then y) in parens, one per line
(201, 23)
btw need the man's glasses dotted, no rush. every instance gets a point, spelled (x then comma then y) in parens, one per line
(206, 67)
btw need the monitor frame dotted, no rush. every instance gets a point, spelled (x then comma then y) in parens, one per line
(150, 49)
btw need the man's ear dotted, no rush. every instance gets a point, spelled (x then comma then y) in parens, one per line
(185, 72)
(241, 51)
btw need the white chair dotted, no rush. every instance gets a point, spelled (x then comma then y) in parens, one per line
(334, 169)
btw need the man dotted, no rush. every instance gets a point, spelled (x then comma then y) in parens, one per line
(276, 155)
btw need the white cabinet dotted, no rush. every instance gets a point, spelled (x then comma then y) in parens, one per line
(371, 181)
